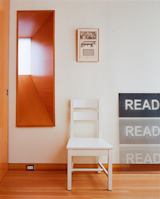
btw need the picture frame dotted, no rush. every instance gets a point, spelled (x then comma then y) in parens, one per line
(87, 45)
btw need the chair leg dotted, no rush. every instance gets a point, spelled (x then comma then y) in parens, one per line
(99, 160)
(109, 169)
(72, 163)
(69, 173)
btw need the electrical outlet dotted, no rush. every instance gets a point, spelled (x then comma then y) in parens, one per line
(30, 167)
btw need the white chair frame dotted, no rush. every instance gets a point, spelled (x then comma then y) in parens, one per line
(87, 146)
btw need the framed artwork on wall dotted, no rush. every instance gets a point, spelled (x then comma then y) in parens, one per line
(87, 44)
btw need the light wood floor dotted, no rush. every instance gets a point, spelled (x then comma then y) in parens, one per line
(89, 185)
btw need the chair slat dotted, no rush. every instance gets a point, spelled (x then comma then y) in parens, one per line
(86, 116)
(85, 103)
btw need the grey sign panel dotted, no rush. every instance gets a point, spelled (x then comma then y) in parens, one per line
(139, 131)
(139, 155)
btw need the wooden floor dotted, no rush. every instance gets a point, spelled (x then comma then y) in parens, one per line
(89, 185)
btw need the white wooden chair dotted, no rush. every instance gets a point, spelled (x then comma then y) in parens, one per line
(87, 146)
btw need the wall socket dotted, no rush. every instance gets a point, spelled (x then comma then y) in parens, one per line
(30, 167)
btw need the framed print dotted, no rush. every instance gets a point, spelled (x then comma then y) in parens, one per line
(88, 45)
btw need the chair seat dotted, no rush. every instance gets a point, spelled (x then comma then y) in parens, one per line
(88, 143)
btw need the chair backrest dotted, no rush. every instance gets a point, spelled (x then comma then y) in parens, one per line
(79, 112)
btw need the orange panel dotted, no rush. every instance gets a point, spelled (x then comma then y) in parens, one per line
(42, 63)
(1, 90)
(38, 109)
(31, 109)
(44, 86)
(30, 21)
(4, 63)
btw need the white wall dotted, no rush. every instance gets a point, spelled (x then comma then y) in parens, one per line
(129, 62)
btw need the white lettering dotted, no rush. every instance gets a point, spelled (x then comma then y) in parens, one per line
(155, 130)
(129, 158)
(139, 158)
(147, 131)
(128, 104)
(138, 130)
(155, 104)
(146, 105)
(129, 129)
(156, 158)
(137, 103)
(147, 158)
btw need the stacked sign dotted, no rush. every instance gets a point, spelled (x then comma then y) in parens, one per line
(139, 128)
